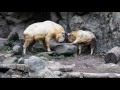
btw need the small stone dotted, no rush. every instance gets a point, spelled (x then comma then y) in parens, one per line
(10, 72)
(2, 57)
(16, 76)
(58, 73)
(17, 49)
(21, 60)
(44, 58)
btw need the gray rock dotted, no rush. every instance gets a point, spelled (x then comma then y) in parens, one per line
(4, 28)
(13, 37)
(15, 76)
(4, 75)
(58, 73)
(2, 42)
(66, 49)
(10, 72)
(10, 60)
(35, 64)
(63, 48)
(76, 23)
(17, 49)
(53, 66)
(21, 60)
(2, 58)
(44, 73)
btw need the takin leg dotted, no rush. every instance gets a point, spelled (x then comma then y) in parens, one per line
(47, 43)
(93, 46)
(92, 49)
(75, 42)
(26, 44)
(79, 48)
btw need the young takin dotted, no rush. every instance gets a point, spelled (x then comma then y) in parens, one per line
(82, 37)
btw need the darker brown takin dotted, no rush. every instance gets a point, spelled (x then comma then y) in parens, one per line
(82, 37)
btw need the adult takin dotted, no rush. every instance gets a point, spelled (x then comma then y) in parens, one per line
(82, 37)
(44, 31)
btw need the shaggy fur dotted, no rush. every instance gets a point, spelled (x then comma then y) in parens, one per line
(82, 37)
(44, 31)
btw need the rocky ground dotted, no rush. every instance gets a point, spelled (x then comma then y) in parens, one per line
(39, 66)
(63, 62)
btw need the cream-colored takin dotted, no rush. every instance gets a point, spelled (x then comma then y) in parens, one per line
(82, 37)
(44, 31)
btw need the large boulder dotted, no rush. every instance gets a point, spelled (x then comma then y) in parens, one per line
(63, 48)
(35, 64)
(13, 37)
(37, 68)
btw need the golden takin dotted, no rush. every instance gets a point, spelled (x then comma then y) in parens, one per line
(44, 31)
(82, 37)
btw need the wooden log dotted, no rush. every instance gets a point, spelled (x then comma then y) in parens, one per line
(67, 68)
(113, 56)
(21, 67)
(101, 75)
(95, 75)
(90, 75)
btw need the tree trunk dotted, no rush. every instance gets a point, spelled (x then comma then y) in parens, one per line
(113, 56)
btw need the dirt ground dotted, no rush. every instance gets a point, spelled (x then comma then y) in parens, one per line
(84, 63)
(87, 63)
(91, 64)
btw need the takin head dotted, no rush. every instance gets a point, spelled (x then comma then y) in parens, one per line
(71, 37)
(60, 37)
